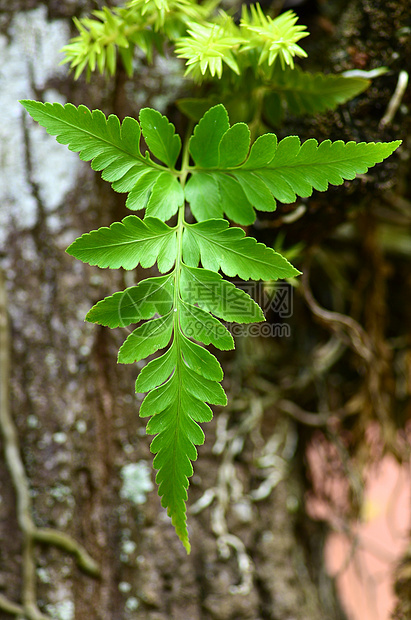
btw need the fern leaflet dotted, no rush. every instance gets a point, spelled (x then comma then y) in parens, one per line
(271, 171)
(307, 93)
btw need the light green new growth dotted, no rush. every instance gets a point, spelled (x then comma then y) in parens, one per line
(145, 24)
(206, 47)
(273, 38)
(204, 40)
(215, 49)
(184, 306)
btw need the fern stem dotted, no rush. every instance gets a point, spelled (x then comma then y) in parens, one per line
(180, 227)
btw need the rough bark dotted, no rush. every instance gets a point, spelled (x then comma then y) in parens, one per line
(74, 409)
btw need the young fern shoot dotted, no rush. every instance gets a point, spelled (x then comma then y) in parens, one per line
(248, 66)
(181, 310)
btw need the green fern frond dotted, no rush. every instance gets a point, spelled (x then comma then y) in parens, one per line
(301, 92)
(273, 38)
(276, 92)
(184, 308)
(269, 171)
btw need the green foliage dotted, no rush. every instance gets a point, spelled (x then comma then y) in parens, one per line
(160, 136)
(220, 247)
(273, 38)
(206, 47)
(271, 171)
(145, 24)
(182, 310)
(204, 39)
(127, 244)
(275, 90)
(249, 67)
(302, 92)
(257, 43)
(113, 148)
(149, 297)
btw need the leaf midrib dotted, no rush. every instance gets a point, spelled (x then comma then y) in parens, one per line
(224, 247)
(124, 243)
(174, 489)
(287, 166)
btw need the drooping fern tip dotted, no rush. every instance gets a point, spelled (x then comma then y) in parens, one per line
(222, 177)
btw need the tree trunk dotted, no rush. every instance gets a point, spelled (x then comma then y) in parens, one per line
(82, 531)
